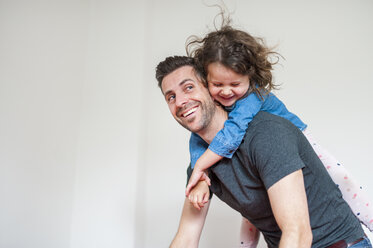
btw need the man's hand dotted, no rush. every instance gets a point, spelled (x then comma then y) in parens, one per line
(199, 195)
(197, 175)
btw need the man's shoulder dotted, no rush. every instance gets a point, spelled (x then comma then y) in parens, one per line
(268, 121)
(268, 128)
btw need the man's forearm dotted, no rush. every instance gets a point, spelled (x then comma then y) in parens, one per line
(180, 241)
(296, 239)
(190, 227)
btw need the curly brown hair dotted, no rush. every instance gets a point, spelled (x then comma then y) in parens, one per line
(237, 50)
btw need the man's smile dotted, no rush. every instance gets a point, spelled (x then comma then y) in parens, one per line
(189, 112)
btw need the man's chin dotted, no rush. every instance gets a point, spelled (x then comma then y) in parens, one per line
(189, 126)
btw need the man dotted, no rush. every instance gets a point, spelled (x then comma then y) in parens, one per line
(274, 179)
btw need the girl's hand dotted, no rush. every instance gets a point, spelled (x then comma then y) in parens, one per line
(199, 195)
(196, 176)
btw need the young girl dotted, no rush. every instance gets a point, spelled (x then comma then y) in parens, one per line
(237, 67)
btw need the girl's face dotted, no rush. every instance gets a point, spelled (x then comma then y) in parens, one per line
(225, 85)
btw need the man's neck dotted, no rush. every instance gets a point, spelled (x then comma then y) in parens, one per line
(216, 124)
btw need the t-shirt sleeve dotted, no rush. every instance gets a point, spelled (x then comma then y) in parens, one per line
(227, 140)
(189, 173)
(275, 152)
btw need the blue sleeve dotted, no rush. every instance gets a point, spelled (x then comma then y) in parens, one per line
(274, 106)
(197, 146)
(230, 137)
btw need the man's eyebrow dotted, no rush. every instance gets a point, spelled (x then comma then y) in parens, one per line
(180, 84)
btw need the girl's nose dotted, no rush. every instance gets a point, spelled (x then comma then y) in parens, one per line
(226, 92)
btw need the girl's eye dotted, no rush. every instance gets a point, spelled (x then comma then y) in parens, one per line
(216, 84)
(189, 87)
(235, 84)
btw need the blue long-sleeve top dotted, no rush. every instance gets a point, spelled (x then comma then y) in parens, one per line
(227, 140)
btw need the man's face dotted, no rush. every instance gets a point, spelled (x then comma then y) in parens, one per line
(188, 100)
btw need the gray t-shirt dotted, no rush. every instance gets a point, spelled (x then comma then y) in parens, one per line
(272, 149)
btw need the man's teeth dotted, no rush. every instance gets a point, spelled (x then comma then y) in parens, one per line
(189, 112)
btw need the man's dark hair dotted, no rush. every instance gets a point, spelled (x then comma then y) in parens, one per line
(173, 63)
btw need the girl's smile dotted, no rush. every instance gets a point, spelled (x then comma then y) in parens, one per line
(225, 85)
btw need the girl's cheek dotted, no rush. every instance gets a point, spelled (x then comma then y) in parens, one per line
(213, 91)
(214, 95)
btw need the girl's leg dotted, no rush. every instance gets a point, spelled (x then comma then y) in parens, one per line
(352, 192)
(249, 235)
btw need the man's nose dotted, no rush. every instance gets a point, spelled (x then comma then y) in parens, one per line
(181, 100)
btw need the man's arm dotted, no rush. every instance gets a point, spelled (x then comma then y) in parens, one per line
(289, 205)
(190, 227)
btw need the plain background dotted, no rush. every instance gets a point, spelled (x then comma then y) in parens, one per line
(90, 155)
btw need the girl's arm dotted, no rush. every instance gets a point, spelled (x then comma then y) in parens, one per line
(226, 141)
(207, 159)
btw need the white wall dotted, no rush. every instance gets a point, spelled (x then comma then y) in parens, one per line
(107, 161)
(71, 78)
(107, 158)
(90, 155)
(42, 50)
